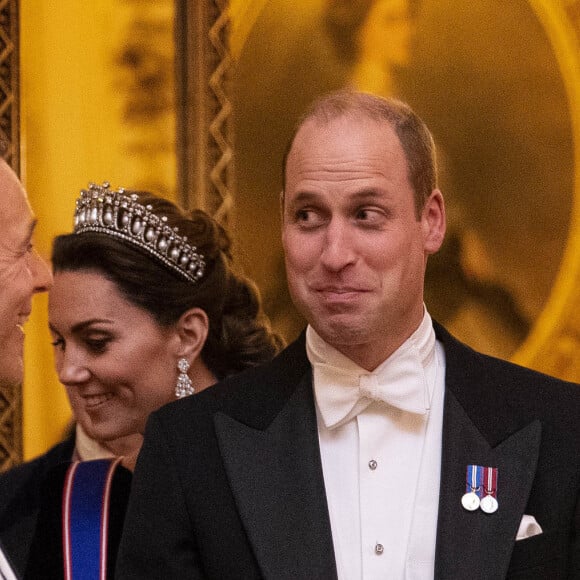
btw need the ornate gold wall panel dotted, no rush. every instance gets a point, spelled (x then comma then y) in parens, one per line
(142, 72)
(204, 109)
(90, 111)
(10, 398)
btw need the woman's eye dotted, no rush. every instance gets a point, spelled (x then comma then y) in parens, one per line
(97, 345)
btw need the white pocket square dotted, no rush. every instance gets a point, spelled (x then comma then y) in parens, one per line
(528, 527)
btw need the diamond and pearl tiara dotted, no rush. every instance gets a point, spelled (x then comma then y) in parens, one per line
(119, 214)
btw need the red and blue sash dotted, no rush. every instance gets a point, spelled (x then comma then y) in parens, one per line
(86, 496)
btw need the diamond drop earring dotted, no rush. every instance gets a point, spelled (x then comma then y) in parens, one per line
(184, 386)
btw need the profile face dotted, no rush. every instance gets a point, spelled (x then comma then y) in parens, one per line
(386, 33)
(22, 273)
(355, 250)
(116, 363)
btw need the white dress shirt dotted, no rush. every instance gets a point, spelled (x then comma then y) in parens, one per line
(381, 464)
(6, 571)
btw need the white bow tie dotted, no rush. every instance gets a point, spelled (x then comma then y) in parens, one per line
(342, 394)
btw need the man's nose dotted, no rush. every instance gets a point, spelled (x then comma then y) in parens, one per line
(42, 276)
(338, 250)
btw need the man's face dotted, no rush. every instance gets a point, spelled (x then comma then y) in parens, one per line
(355, 250)
(22, 273)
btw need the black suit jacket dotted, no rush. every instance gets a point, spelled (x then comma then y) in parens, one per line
(20, 497)
(229, 483)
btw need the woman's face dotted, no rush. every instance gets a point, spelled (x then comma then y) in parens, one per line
(117, 364)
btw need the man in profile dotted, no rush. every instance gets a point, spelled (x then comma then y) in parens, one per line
(22, 274)
(376, 445)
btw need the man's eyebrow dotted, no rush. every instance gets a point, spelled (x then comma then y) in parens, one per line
(363, 194)
(26, 240)
(304, 196)
(368, 193)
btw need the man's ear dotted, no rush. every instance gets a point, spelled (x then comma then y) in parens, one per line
(433, 222)
(192, 329)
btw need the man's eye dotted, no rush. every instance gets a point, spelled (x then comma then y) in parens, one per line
(371, 216)
(366, 213)
(308, 218)
(58, 343)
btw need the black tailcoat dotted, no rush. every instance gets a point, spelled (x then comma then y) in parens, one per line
(229, 482)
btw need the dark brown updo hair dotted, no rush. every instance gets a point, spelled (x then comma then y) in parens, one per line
(239, 334)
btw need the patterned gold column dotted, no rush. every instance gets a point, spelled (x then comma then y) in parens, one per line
(10, 397)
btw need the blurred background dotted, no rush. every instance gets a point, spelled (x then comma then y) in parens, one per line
(105, 93)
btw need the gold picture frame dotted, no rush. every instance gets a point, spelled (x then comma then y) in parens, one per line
(552, 334)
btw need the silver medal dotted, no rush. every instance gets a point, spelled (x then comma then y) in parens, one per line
(470, 501)
(489, 504)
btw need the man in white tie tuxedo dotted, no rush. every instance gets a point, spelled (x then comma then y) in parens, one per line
(22, 274)
(376, 445)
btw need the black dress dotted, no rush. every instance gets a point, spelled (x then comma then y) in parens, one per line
(20, 499)
(31, 500)
(46, 558)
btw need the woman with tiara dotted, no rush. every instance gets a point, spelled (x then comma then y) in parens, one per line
(146, 307)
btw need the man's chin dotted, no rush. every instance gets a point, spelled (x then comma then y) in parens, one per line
(10, 380)
(340, 334)
(11, 372)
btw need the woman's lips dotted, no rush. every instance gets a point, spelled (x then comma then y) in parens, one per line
(93, 401)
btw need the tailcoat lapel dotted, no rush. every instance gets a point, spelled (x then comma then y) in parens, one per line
(477, 545)
(290, 529)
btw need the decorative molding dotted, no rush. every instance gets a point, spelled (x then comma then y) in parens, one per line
(10, 397)
(554, 342)
(204, 109)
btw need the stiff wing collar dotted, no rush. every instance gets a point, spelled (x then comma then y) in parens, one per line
(343, 389)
